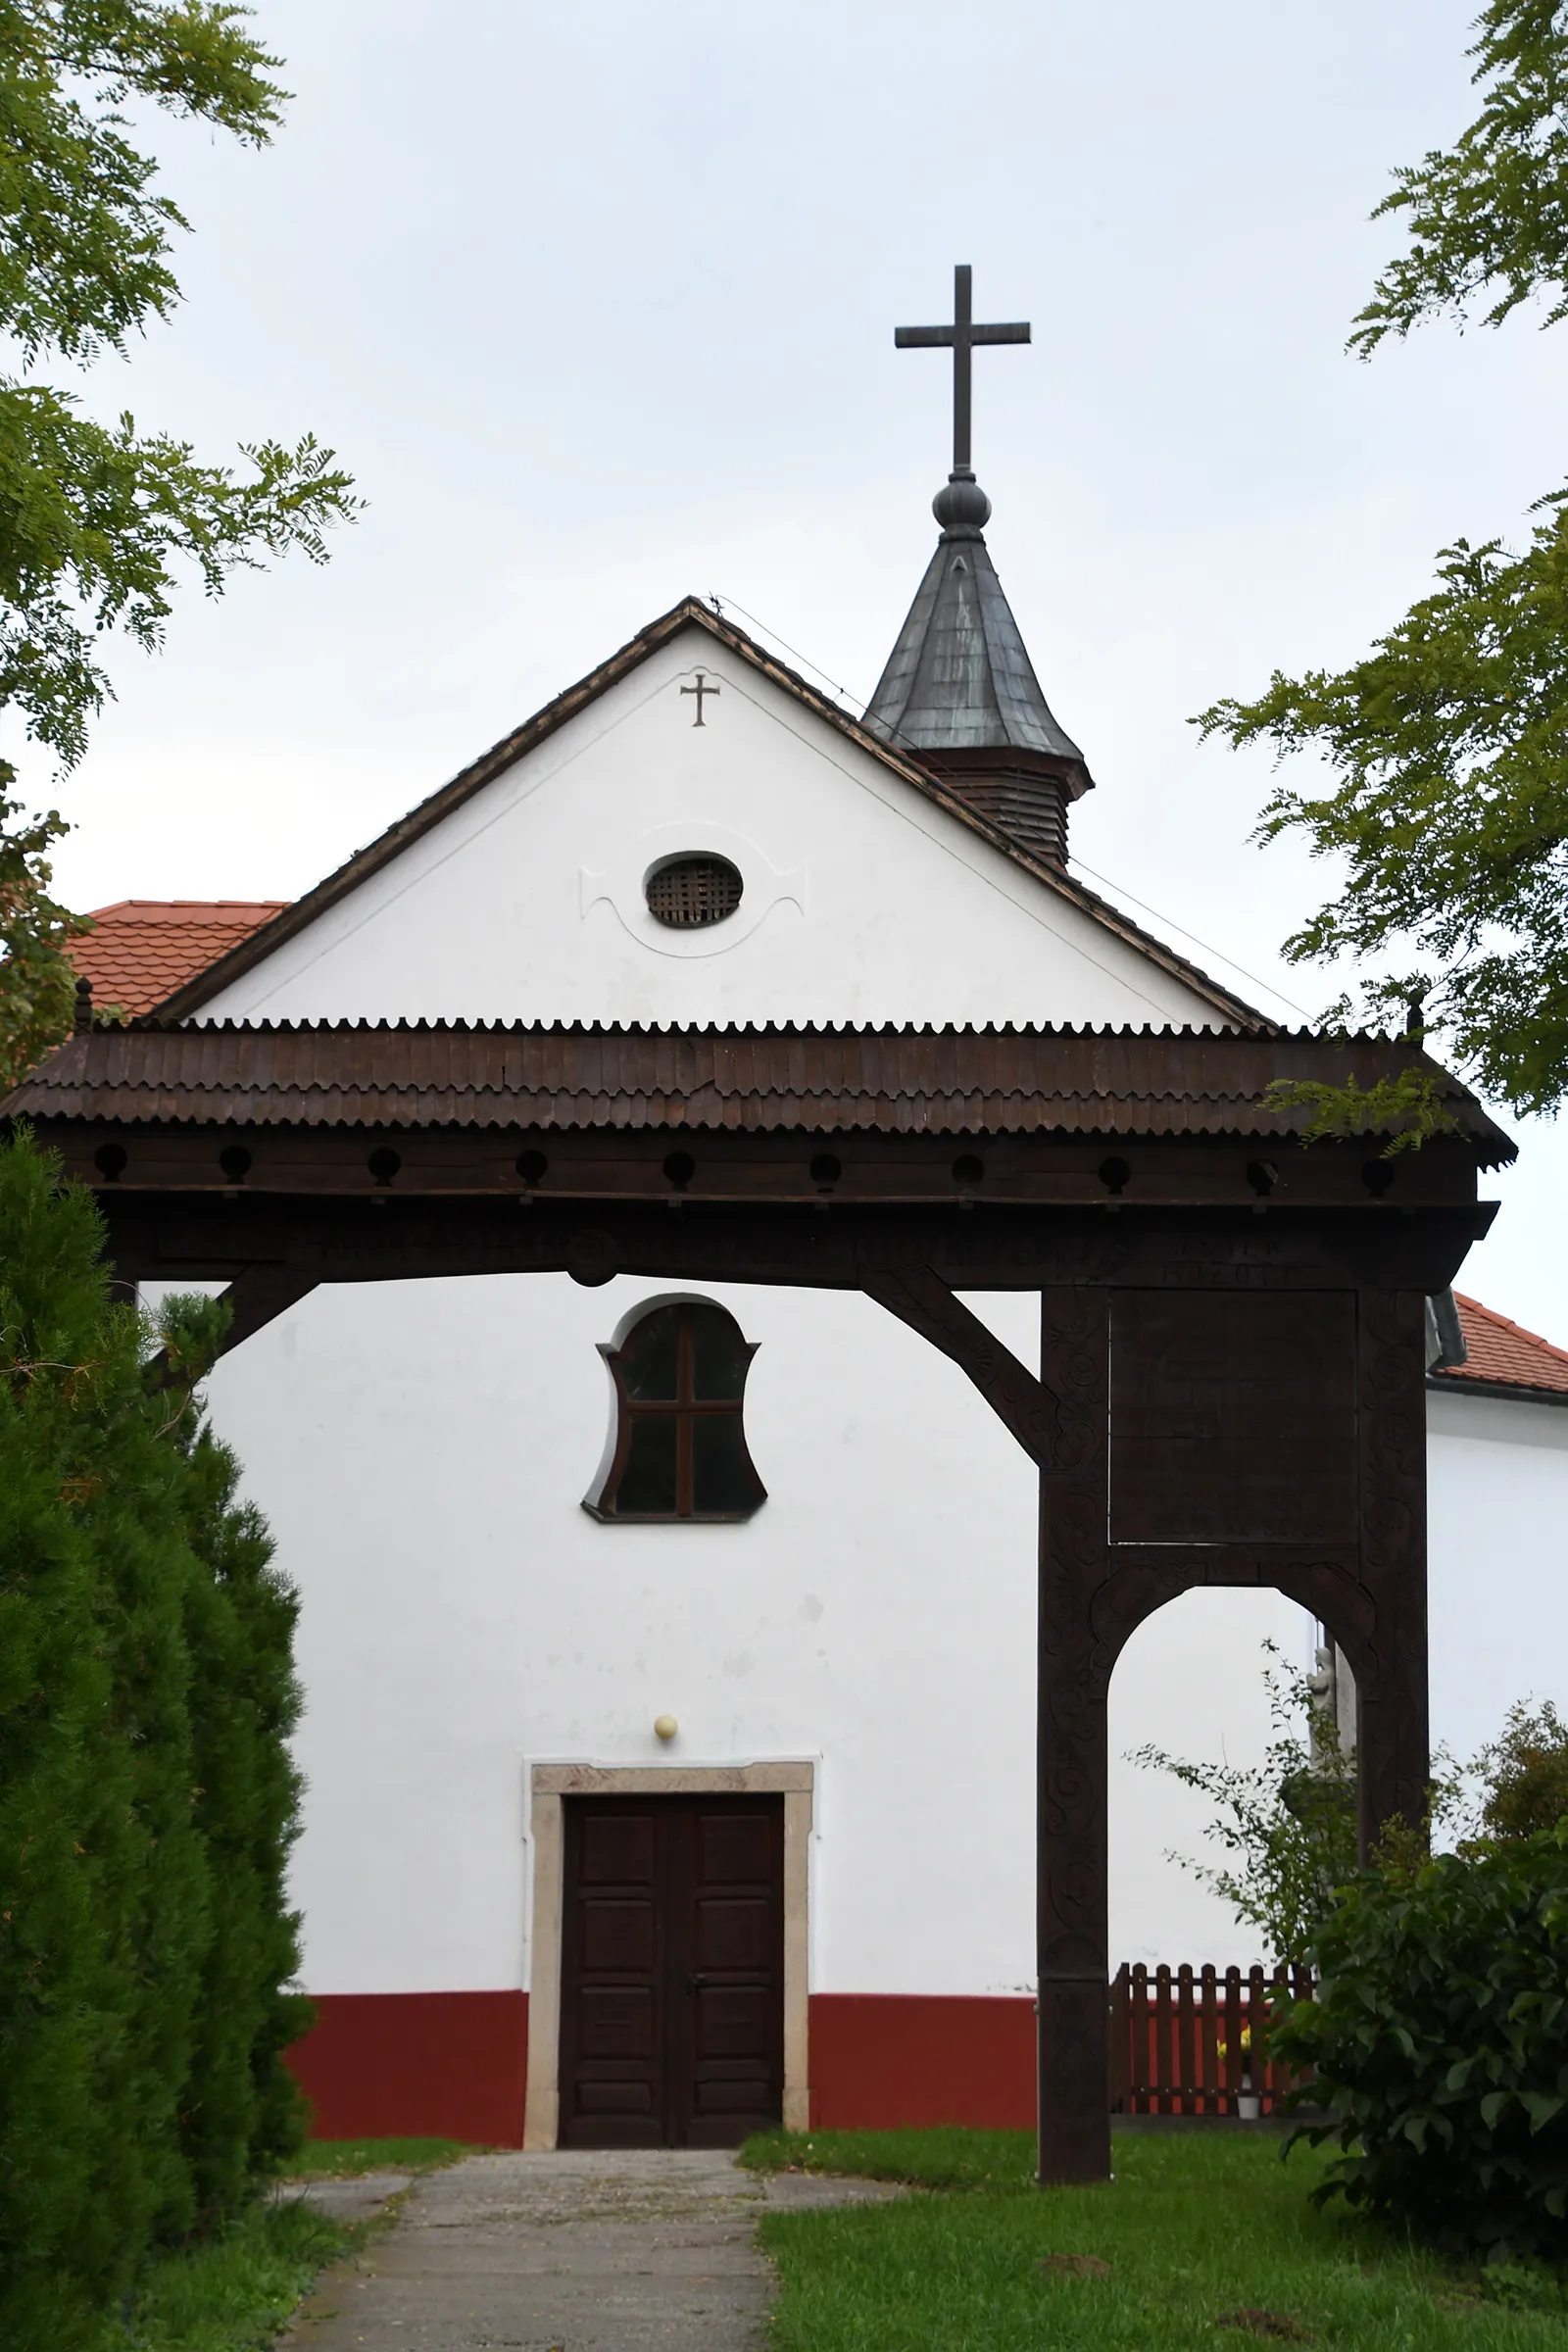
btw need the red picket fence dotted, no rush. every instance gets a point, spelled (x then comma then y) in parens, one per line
(1177, 2038)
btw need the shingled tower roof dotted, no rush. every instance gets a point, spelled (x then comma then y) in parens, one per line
(959, 691)
(960, 677)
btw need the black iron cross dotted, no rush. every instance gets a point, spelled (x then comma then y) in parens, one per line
(700, 688)
(962, 336)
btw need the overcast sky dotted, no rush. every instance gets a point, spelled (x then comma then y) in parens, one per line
(597, 303)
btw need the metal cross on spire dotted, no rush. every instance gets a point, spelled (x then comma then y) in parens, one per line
(961, 336)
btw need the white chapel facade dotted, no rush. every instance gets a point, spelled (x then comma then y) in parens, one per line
(647, 1633)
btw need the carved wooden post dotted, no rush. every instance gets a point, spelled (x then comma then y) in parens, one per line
(1393, 1757)
(1072, 1931)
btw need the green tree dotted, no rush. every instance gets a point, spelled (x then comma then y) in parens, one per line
(1524, 1773)
(1447, 746)
(1287, 1825)
(147, 1799)
(96, 520)
(36, 982)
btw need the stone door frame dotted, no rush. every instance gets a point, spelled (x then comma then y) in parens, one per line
(548, 1786)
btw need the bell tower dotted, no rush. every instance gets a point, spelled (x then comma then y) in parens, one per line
(959, 691)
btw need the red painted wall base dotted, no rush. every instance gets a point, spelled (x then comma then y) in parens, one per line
(882, 2059)
(452, 2065)
(416, 2066)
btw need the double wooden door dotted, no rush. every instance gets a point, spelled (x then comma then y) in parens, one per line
(672, 1971)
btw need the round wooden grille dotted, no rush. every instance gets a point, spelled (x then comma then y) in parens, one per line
(692, 891)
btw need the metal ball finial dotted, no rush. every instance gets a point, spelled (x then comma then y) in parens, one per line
(961, 505)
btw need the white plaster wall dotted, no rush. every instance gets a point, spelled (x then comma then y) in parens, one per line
(863, 901)
(1498, 1548)
(1191, 1680)
(421, 1451)
(422, 1448)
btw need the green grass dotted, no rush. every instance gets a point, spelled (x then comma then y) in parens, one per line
(341, 2159)
(1194, 2227)
(234, 2293)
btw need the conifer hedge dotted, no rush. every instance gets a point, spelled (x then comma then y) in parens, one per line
(147, 1798)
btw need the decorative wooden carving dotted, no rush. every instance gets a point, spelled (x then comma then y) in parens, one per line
(1076, 1657)
(1363, 1394)
(1227, 1396)
(1232, 1417)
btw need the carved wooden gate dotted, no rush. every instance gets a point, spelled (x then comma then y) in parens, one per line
(1232, 1347)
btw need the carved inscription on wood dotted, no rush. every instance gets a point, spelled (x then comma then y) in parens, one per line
(1233, 1418)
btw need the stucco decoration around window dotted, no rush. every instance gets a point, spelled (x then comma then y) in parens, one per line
(677, 1449)
(635, 860)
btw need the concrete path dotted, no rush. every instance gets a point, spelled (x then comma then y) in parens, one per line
(613, 2251)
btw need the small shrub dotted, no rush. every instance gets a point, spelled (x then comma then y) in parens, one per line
(1440, 2037)
(1286, 1825)
(1523, 1773)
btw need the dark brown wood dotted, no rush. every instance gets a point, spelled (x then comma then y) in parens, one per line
(922, 1299)
(1232, 1417)
(1391, 1666)
(1231, 1380)
(1074, 1677)
(1358, 1564)
(672, 1967)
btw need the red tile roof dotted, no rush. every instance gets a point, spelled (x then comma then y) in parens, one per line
(144, 949)
(1503, 1354)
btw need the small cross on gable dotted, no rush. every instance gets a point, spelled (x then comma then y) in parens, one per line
(702, 687)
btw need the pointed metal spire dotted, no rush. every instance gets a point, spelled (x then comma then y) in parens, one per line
(960, 690)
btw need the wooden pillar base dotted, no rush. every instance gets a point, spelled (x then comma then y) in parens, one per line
(1075, 2092)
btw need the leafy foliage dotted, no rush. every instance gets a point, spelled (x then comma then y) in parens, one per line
(1525, 1772)
(1490, 216)
(1412, 1105)
(36, 982)
(1440, 2035)
(1448, 744)
(1449, 747)
(95, 519)
(145, 1812)
(1288, 1825)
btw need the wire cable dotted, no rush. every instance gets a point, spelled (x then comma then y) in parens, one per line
(1253, 979)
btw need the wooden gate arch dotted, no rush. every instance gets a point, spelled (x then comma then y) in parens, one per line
(1231, 1379)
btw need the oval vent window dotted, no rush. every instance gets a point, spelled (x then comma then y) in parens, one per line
(687, 892)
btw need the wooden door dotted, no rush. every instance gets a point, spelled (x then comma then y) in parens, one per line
(671, 1971)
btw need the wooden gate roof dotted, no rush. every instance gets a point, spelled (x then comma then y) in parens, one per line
(892, 1080)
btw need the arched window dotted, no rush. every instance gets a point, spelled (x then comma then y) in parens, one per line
(678, 1448)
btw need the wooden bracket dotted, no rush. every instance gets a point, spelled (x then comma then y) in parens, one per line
(922, 1299)
(259, 1295)
(256, 1298)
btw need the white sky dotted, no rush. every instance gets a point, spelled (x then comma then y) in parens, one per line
(597, 301)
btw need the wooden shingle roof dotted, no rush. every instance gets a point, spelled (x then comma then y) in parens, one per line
(892, 1080)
